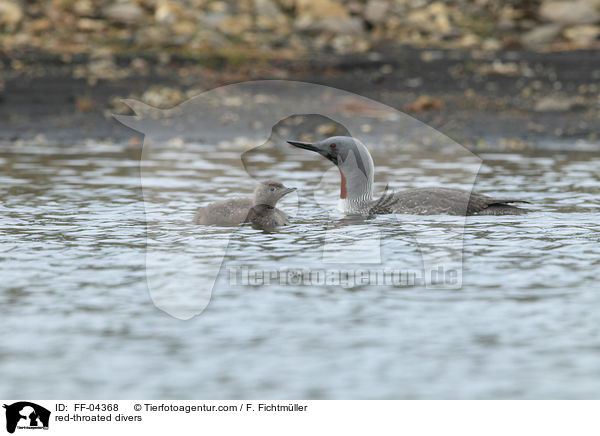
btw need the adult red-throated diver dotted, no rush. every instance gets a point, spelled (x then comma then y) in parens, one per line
(356, 191)
(259, 210)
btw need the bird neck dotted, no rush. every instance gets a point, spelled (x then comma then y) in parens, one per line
(264, 200)
(356, 191)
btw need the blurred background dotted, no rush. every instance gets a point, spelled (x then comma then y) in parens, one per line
(293, 28)
(524, 64)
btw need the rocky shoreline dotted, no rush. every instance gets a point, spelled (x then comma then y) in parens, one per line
(502, 75)
(511, 100)
(295, 28)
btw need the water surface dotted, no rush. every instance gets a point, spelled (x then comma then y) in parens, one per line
(78, 321)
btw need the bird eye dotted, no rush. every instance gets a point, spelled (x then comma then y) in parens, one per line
(272, 189)
(332, 146)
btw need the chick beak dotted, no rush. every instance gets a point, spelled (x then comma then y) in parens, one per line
(286, 191)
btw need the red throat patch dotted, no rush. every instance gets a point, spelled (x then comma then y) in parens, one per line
(343, 190)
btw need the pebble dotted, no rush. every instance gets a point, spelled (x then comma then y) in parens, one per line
(375, 11)
(569, 12)
(582, 34)
(541, 36)
(555, 104)
(125, 13)
(11, 14)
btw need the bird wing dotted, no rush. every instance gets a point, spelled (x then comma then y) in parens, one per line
(384, 204)
(445, 201)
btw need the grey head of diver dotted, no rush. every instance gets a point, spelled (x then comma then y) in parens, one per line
(270, 192)
(356, 170)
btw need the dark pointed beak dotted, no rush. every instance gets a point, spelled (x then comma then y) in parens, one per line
(304, 145)
(286, 191)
